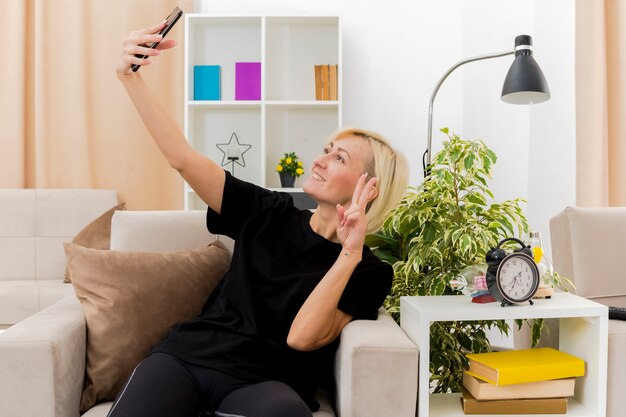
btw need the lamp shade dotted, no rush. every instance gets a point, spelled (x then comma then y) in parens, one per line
(525, 82)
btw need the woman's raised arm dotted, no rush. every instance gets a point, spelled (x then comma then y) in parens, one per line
(202, 174)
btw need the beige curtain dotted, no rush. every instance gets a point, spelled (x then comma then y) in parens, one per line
(601, 102)
(65, 120)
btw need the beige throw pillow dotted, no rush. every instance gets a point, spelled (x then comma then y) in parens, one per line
(130, 300)
(96, 235)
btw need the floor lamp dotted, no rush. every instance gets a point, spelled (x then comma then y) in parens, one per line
(524, 84)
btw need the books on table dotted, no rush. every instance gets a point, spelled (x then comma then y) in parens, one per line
(527, 365)
(482, 390)
(529, 381)
(513, 406)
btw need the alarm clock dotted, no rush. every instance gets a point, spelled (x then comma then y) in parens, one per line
(512, 278)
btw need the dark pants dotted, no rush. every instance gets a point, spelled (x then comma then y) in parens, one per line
(162, 385)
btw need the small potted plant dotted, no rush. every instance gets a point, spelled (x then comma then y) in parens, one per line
(289, 168)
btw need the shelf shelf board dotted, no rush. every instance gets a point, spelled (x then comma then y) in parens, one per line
(254, 104)
(449, 405)
(321, 104)
(239, 104)
(223, 20)
(457, 307)
(302, 20)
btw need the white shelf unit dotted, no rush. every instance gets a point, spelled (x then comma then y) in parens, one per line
(287, 118)
(583, 332)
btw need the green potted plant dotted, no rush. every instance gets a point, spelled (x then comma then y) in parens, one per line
(438, 229)
(289, 168)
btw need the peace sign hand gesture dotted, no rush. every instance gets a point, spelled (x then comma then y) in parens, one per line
(353, 221)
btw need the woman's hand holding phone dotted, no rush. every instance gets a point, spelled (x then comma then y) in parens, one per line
(135, 44)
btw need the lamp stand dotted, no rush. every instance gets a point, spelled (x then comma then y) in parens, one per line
(426, 158)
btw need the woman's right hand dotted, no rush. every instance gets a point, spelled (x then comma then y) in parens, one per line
(203, 175)
(135, 43)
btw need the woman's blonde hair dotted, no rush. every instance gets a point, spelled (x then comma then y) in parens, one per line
(388, 166)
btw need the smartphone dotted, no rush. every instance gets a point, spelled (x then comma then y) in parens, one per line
(169, 22)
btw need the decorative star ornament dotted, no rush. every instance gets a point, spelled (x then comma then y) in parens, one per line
(233, 151)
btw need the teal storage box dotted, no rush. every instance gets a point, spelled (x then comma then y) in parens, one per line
(207, 82)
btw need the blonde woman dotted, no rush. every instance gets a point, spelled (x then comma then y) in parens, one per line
(267, 335)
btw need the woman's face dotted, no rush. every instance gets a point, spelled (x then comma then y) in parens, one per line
(334, 174)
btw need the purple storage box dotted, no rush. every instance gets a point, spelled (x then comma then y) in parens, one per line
(247, 81)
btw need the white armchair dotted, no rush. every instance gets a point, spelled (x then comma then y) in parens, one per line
(588, 246)
(43, 357)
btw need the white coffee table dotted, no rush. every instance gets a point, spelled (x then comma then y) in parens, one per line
(583, 332)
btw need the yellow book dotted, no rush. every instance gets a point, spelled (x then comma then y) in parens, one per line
(528, 365)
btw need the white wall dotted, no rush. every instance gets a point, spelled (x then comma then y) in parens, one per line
(395, 51)
(552, 140)
(535, 144)
(490, 27)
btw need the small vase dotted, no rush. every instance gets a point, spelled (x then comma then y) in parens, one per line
(286, 180)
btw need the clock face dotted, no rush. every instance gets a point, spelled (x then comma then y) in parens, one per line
(517, 277)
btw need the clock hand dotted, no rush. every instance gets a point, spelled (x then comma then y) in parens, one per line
(516, 279)
(511, 282)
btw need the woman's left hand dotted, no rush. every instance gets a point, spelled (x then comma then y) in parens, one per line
(353, 221)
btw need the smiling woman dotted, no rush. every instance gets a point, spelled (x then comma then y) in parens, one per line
(297, 278)
(359, 151)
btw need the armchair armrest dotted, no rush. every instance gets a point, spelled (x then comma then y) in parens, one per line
(42, 363)
(376, 370)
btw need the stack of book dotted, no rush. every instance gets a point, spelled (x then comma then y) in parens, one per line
(326, 82)
(530, 381)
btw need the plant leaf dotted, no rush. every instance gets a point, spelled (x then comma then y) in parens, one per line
(468, 161)
(430, 232)
(476, 199)
(536, 332)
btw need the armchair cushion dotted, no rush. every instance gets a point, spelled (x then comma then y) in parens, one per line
(42, 359)
(130, 299)
(587, 246)
(96, 235)
(376, 370)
